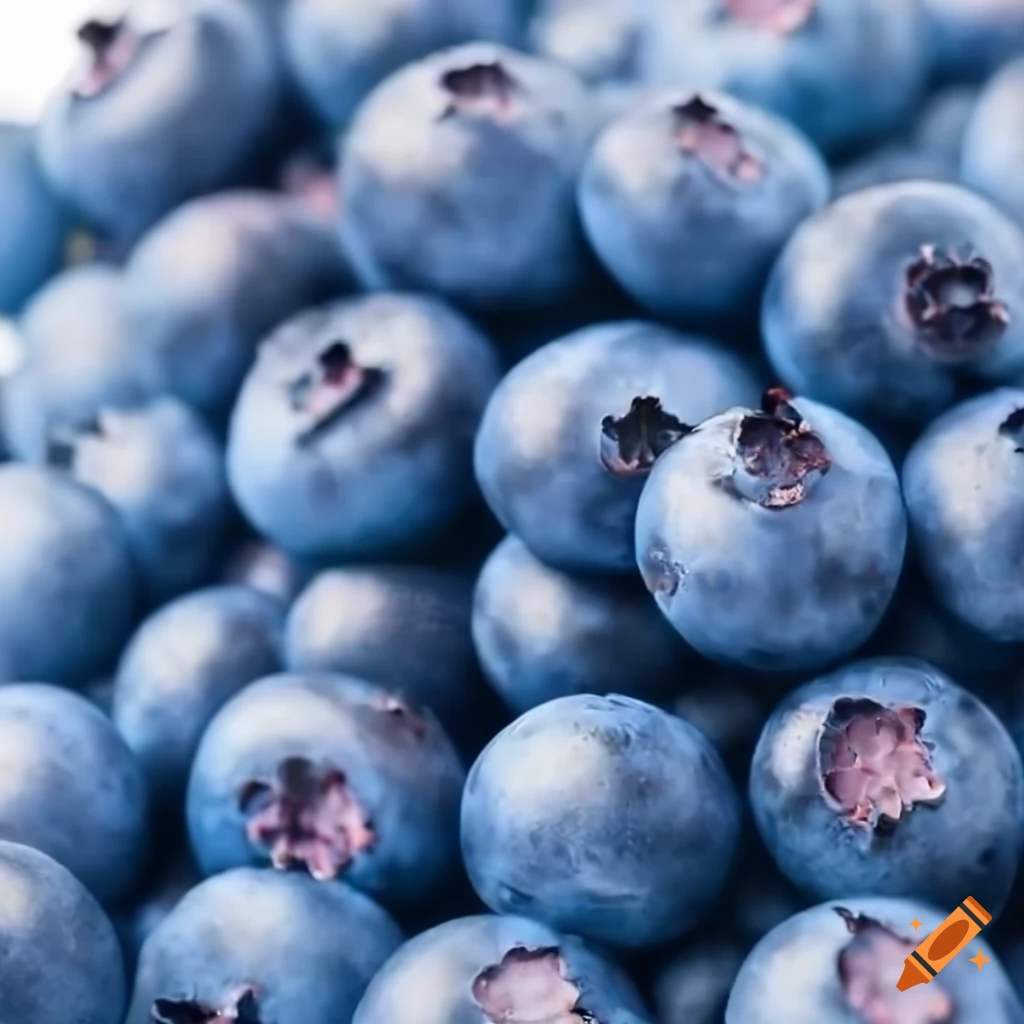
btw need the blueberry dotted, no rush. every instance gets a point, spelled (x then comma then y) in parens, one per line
(861, 776)
(209, 282)
(67, 589)
(885, 302)
(498, 970)
(61, 958)
(942, 127)
(891, 165)
(331, 775)
(773, 540)
(846, 73)
(171, 104)
(841, 961)
(263, 567)
(694, 987)
(72, 788)
(959, 481)
(33, 226)
(340, 51)
(192, 656)
(458, 177)
(993, 141)
(689, 197)
(406, 629)
(602, 817)
(78, 355)
(163, 473)
(571, 432)
(542, 634)
(972, 38)
(260, 947)
(353, 433)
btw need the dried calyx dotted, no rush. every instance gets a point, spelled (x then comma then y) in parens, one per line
(873, 764)
(63, 445)
(1013, 428)
(239, 1009)
(951, 302)
(869, 966)
(782, 17)
(112, 48)
(779, 458)
(307, 816)
(479, 89)
(529, 986)
(630, 444)
(335, 384)
(702, 131)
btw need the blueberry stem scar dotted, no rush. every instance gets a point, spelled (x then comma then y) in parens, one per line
(483, 89)
(780, 17)
(529, 986)
(239, 1009)
(701, 131)
(630, 444)
(112, 47)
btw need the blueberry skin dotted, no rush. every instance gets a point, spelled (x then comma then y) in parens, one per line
(542, 634)
(978, 823)
(211, 280)
(694, 987)
(385, 466)
(537, 452)
(398, 760)
(623, 830)
(770, 991)
(68, 586)
(33, 227)
(835, 319)
(338, 52)
(192, 655)
(78, 356)
(993, 142)
(850, 73)
(308, 950)
(458, 177)
(61, 958)
(959, 482)
(942, 127)
(891, 165)
(773, 589)
(191, 106)
(162, 471)
(406, 629)
(972, 39)
(684, 237)
(73, 789)
(430, 980)
(267, 569)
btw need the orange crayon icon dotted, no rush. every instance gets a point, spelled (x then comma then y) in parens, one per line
(944, 944)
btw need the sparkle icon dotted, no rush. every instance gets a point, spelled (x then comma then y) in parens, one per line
(915, 924)
(980, 960)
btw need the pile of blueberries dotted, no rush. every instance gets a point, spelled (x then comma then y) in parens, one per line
(512, 512)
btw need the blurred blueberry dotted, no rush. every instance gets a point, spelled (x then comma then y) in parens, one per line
(352, 437)
(172, 102)
(458, 177)
(841, 961)
(694, 987)
(163, 473)
(891, 165)
(331, 775)
(890, 300)
(993, 144)
(192, 656)
(773, 540)
(542, 634)
(571, 432)
(846, 73)
(406, 629)
(77, 356)
(61, 958)
(339, 50)
(260, 947)
(960, 483)
(209, 282)
(71, 787)
(861, 776)
(484, 969)
(33, 227)
(689, 197)
(972, 38)
(942, 126)
(67, 589)
(261, 566)
(622, 828)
